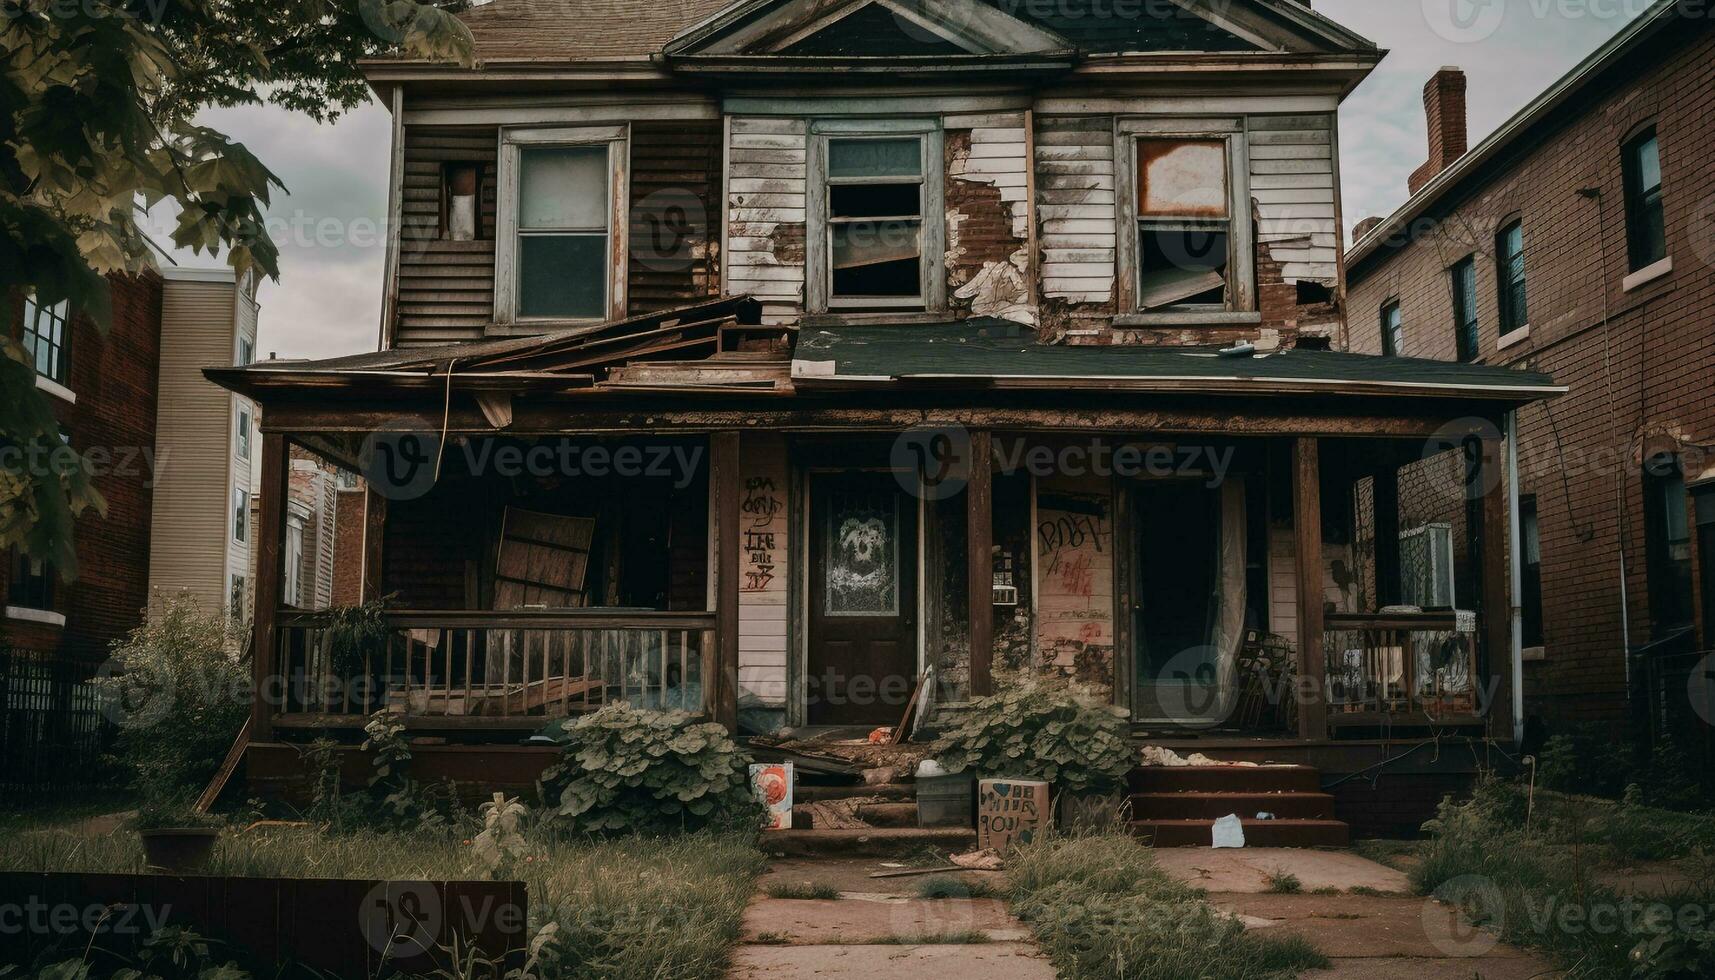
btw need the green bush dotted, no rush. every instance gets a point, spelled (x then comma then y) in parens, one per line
(644, 771)
(1038, 732)
(179, 694)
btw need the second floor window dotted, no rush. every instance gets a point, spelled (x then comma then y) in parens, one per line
(44, 339)
(1463, 278)
(871, 246)
(246, 351)
(240, 516)
(243, 433)
(1646, 232)
(1509, 272)
(562, 244)
(1184, 223)
(32, 584)
(1393, 335)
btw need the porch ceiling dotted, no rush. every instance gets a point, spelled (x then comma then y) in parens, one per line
(1000, 354)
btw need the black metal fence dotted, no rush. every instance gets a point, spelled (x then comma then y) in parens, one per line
(52, 729)
(1679, 704)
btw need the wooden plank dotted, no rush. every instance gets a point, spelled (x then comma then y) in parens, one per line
(234, 755)
(1307, 528)
(979, 562)
(270, 538)
(727, 492)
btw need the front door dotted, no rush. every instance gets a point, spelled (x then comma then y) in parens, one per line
(863, 599)
(1177, 601)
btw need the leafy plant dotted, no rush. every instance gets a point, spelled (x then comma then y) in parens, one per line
(179, 694)
(626, 769)
(356, 633)
(502, 842)
(1035, 731)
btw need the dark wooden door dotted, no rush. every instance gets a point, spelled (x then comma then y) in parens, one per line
(863, 599)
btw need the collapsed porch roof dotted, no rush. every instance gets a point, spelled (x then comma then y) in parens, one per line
(691, 351)
(995, 353)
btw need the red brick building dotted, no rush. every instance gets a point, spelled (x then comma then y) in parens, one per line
(1577, 240)
(103, 387)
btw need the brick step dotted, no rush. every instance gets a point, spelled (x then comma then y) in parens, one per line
(880, 842)
(875, 814)
(1258, 833)
(1226, 779)
(1208, 806)
(887, 791)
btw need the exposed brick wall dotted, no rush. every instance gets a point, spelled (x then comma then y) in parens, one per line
(1648, 377)
(348, 548)
(116, 377)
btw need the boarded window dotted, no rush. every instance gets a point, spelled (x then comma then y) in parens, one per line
(564, 231)
(875, 221)
(1184, 223)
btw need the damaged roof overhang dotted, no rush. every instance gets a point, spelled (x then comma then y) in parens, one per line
(570, 360)
(999, 355)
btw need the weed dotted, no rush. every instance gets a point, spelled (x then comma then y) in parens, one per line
(1284, 882)
(942, 886)
(965, 937)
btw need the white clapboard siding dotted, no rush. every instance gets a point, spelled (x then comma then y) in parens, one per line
(1292, 182)
(1282, 583)
(766, 187)
(1075, 205)
(1074, 556)
(762, 568)
(998, 156)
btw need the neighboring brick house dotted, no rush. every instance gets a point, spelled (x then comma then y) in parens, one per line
(1576, 240)
(133, 402)
(103, 388)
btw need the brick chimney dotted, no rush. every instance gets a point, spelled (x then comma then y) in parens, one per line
(1363, 227)
(1444, 106)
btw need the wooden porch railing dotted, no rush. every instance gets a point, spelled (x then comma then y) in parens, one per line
(1400, 668)
(493, 670)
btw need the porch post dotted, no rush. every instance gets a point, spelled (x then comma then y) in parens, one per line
(979, 562)
(1384, 497)
(1496, 610)
(724, 484)
(270, 534)
(1307, 548)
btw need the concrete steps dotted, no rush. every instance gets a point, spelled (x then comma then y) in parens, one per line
(1178, 806)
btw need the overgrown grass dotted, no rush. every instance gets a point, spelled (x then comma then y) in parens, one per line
(1101, 908)
(946, 886)
(1284, 882)
(626, 908)
(802, 890)
(1532, 875)
(964, 937)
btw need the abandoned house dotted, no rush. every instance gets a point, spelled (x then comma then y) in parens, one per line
(789, 361)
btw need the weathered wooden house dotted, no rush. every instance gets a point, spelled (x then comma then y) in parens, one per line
(699, 312)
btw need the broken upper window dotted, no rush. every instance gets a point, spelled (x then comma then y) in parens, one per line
(875, 205)
(1184, 223)
(461, 201)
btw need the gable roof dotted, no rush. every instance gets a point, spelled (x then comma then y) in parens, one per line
(560, 31)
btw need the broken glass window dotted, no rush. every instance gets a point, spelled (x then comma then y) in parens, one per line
(875, 221)
(1184, 227)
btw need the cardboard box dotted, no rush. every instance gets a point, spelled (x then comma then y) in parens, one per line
(1010, 811)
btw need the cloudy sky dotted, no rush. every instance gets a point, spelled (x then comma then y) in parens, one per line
(328, 299)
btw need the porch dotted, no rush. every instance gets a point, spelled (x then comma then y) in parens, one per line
(826, 549)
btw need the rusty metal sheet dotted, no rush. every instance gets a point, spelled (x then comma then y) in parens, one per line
(1182, 178)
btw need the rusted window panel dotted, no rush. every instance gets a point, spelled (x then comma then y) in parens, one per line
(1184, 222)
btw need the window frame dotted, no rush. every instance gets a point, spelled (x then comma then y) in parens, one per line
(1530, 573)
(239, 518)
(513, 140)
(1391, 343)
(1241, 235)
(1511, 319)
(1467, 325)
(31, 583)
(59, 350)
(241, 430)
(292, 570)
(818, 244)
(1638, 199)
(246, 351)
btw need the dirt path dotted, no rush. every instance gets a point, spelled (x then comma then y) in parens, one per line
(880, 927)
